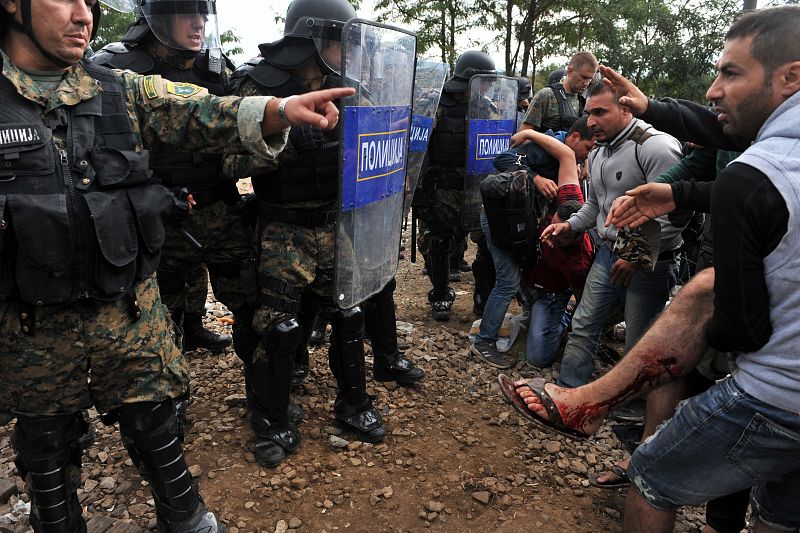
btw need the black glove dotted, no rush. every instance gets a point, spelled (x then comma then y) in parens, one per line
(180, 208)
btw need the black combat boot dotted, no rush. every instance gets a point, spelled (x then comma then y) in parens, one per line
(380, 324)
(441, 297)
(196, 336)
(268, 383)
(353, 406)
(318, 330)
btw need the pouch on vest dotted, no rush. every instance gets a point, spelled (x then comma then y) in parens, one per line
(120, 168)
(44, 251)
(115, 229)
(25, 151)
(512, 211)
(151, 207)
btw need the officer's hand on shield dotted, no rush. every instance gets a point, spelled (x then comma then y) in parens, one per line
(315, 109)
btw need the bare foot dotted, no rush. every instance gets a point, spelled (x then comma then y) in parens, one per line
(615, 477)
(576, 413)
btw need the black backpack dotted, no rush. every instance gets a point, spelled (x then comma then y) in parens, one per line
(514, 211)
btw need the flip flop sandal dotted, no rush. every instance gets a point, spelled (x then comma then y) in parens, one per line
(621, 480)
(554, 421)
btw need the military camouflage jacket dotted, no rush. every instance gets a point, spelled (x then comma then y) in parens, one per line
(165, 114)
(543, 113)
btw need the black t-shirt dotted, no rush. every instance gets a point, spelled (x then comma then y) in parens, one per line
(749, 218)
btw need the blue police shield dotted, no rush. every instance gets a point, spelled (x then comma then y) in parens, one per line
(428, 81)
(491, 121)
(377, 60)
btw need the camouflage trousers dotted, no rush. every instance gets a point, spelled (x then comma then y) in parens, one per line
(89, 353)
(227, 253)
(301, 257)
(441, 218)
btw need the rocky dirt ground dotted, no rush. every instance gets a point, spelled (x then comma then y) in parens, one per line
(457, 459)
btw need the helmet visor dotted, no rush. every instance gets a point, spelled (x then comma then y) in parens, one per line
(123, 6)
(183, 24)
(327, 37)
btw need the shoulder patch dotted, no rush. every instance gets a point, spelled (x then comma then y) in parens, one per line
(150, 88)
(184, 90)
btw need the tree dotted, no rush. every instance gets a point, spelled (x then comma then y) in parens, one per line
(230, 38)
(113, 25)
(437, 22)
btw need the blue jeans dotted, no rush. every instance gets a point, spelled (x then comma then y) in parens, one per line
(505, 288)
(643, 298)
(720, 442)
(544, 331)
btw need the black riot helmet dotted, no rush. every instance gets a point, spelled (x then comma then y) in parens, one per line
(186, 26)
(523, 88)
(313, 29)
(7, 22)
(468, 64)
(556, 76)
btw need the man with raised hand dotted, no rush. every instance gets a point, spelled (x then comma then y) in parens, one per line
(745, 431)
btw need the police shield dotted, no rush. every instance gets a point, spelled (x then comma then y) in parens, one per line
(377, 60)
(492, 120)
(428, 81)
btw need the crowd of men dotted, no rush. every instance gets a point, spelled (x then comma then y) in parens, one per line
(119, 204)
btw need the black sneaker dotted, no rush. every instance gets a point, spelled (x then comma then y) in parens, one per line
(487, 352)
(455, 275)
(633, 412)
(463, 266)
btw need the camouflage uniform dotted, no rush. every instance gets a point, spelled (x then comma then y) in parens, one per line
(294, 274)
(162, 114)
(216, 222)
(543, 112)
(89, 329)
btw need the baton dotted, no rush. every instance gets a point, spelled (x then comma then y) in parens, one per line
(188, 237)
(413, 235)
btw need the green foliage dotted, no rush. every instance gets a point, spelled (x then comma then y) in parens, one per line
(113, 25)
(230, 43)
(667, 47)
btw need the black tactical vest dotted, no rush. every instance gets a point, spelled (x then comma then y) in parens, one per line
(314, 173)
(193, 170)
(566, 112)
(81, 222)
(449, 138)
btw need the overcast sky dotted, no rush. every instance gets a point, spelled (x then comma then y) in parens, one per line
(254, 22)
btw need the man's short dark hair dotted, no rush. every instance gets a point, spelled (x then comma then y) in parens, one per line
(774, 33)
(580, 59)
(567, 209)
(599, 87)
(582, 127)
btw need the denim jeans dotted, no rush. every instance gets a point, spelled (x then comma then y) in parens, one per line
(720, 442)
(643, 298)
(505, 288)
(544, 331)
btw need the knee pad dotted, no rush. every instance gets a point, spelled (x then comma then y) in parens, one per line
(348, 323)
(284, 337)
(47, 436)
(386, 294)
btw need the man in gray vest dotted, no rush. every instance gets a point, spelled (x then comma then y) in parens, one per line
(81, 226)
(745, 431)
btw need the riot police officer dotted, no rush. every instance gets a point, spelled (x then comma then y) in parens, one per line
(179, 42)
(296, 225)
(81, 226)
(440, 196)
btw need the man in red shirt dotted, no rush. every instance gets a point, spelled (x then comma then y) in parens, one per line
(560, 272)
